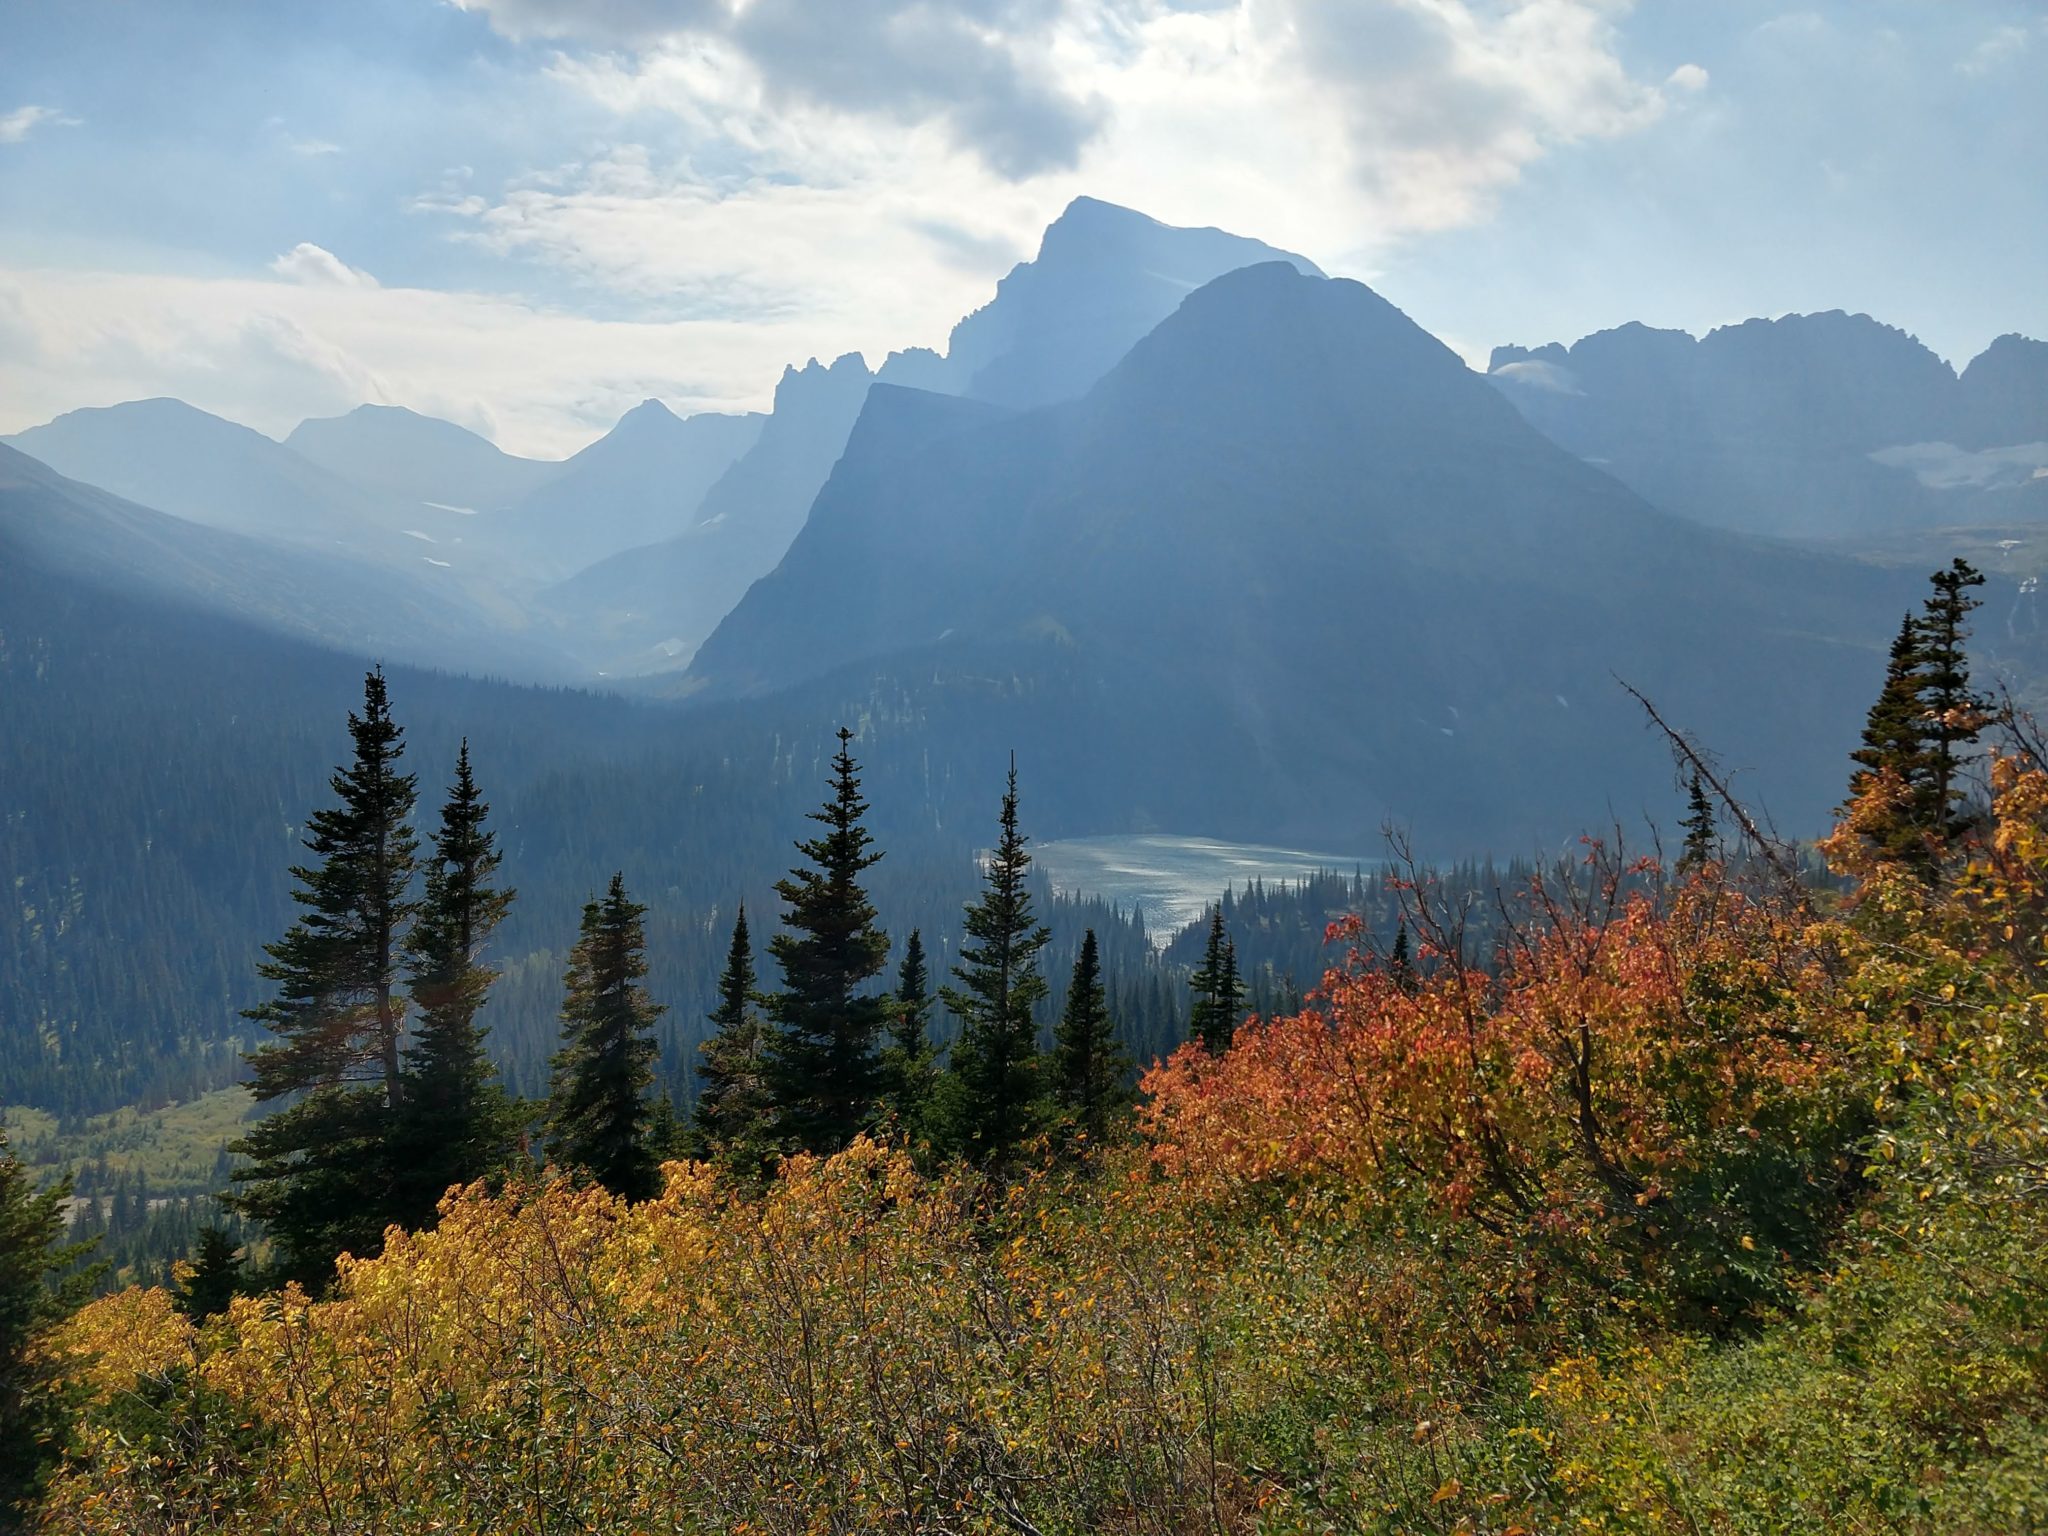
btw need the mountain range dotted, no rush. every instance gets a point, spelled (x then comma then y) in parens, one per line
(1828, 426)
(1238, 544)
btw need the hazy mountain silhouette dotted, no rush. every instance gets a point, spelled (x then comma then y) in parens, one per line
(643, 481)
(646, 609)
(178, 459)
(1793, 427)
(405, 456)
(1292, 563)
(1103, 277)
(61, 529)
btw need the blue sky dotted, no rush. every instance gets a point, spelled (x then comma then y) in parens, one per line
(529, 214)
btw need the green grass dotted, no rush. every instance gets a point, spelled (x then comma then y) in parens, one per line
(177, 1146)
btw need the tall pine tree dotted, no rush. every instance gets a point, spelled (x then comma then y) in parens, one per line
(454, 1124)
(993, 1089)
(1091, 1072)
(1954, 711)
(598, 1111)
(734, 1119)
(910, 1061)
(319, 1172)
(1218, 992)
(33, 1411)
(1924, 715)
(824, 1072)
(1702, 837)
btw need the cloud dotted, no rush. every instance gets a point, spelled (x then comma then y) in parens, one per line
(22, 121)
(312, 264)
(2003, 44)
(981, 69)
(1690, 78)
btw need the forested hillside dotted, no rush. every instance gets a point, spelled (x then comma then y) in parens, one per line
(1651, 1195)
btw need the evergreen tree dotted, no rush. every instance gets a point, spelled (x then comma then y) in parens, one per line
(1090, 1070)
(734, 1118)
(216, 1277)
(1925, 713)
(823, 1071)
(454, 1124)
(1401, 960)
(319, 1173)
(910, 1061)
(1702, 838)
(598, 1112)
(1954, 712)
(1217, 991)
(34, 1412)
(993, 1090)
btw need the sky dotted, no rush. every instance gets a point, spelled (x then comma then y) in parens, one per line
(528, 215)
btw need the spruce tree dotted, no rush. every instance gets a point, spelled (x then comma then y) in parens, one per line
(993, 1089)
(910, 1069)
(319, 1172)
(598, 1111)
(1090, 1070)
(734, 1119)
(1217, 991)
(1702, 837)
(1401, 960)
(1924, 715)
(216, 1277)
(1954, 712)
(454, 1124)
(34, 1412)
(823, 1070)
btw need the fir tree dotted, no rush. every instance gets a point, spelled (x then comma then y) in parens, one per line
(823, 1070)
(910, 1070)
(734, 1118)
(1217, 991)
(454, 1124)
(993, 1088)
(1954, 712)
(1090, 1070)
(598, 1112)
(216, 1277)
(319, 1174)
(1401, 960)
(1702, 837)
(34, 1412)
(1925, 713)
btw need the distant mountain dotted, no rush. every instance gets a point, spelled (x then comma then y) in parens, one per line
(646, 609)
(1797, 427)
(408, 457)
(58, 528)
(2002, 397)
(1292, 568)
(641, 482)
(178, 459)
(1103, 277)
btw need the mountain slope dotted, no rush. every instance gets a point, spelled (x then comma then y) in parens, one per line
(181, 460)
(53, 527)
(1292, 565)
(646, 609)
(641, 482)
(1103, 277)
(407, 457)
(1800, 427)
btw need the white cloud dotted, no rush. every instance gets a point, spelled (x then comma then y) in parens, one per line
(312, 264)
(1689, 78)
(270, 354)
(22, 121)
(2002, 44)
